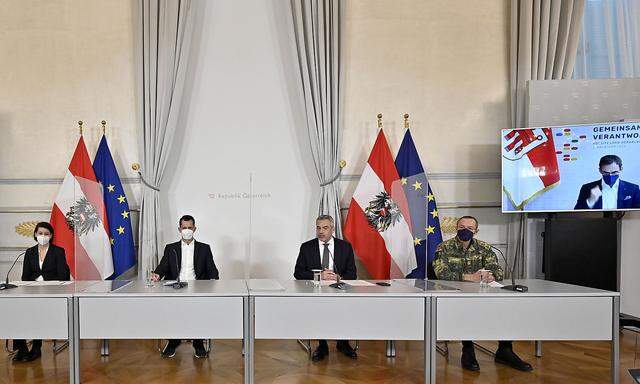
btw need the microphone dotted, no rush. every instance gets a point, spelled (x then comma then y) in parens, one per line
(338, 277)
(513, 287)
(178, 284)
(6, 284)
(338, 284)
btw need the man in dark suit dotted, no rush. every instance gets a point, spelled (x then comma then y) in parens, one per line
(610, 192)
(189, 260)
(335, 258)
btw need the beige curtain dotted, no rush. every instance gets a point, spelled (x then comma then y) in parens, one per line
(165, 31)
(317, 27)
(544, 43)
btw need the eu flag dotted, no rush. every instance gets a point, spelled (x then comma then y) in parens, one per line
(425, 223)
(117, 207)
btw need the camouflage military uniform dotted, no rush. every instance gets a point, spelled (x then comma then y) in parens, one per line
(451, 261)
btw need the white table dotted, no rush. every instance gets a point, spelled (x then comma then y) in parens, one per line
(39, 312)
(302, 311)
(548, 311)
(212, 309)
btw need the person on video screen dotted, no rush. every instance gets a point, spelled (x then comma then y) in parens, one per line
(610, 192)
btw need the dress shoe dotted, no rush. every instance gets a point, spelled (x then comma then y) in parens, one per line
(169, 350)
(469, 361)
(345, 348)
(20, 356)
(508, 357)
(320, 353)
(198, 349)
(33, 355)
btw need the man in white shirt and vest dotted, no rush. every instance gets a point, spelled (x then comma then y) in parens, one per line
(191, 260)
(335, 258)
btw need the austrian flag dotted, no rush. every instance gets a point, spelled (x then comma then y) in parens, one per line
(377, 223)
(79, 220)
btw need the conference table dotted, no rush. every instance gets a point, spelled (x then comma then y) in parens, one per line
(204, 309)
(290, 309)
(254, 309)
(41, 310)
(547, 311)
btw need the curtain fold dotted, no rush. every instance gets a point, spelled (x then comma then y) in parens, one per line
(609, 45)
(166, 34)
(544, 44)
(317, 27)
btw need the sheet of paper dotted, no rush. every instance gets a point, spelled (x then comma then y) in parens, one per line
(20, 283)
(359, 283)
(50, 282)
(495, 284)
(265, 285)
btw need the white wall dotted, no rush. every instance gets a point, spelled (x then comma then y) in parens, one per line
(60, 61)
(239, 125)
(73, 59)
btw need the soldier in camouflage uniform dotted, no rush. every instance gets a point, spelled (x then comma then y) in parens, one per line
(454, 261)
(464, 258)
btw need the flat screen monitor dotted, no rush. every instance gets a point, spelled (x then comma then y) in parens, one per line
(590, 167)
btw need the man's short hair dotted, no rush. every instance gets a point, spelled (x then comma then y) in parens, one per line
(326, 217)
(610, 159)
(186, 218)
(467, 217)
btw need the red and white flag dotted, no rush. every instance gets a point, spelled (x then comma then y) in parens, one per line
(530, 167)
(79, 220)
(376, 226)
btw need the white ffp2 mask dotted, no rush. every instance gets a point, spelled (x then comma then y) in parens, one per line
(43, 239)
(187, 234)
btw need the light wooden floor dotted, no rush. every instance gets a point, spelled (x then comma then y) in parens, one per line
(285, 362)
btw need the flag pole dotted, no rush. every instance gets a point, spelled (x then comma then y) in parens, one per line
(80, 126)
(406, 121)
(379, 120)
(104, 127)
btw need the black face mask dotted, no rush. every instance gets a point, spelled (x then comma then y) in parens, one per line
(465, 234)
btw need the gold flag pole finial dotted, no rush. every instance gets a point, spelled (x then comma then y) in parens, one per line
(104, 127)
(80, 126)
(379, 120)
(406, 121)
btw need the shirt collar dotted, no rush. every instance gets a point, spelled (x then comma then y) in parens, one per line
(182, 242)
(607, 187)
(330, 242)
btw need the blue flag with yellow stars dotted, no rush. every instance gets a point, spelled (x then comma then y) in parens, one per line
(117, 207)
(425, 223)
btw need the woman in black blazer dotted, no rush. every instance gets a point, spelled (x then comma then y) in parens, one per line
(43, 261)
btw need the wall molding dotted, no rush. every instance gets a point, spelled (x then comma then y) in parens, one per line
(460, 204)
(343, 177)
(32, 181)
(19, 210)
(441, 176)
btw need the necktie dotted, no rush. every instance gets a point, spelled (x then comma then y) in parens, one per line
(325, 256)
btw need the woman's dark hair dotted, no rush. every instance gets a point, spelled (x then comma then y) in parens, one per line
(45, 225)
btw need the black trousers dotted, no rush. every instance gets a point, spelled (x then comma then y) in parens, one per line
(175, 342)
(501, 344)
(20, 345)
(325, 345)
